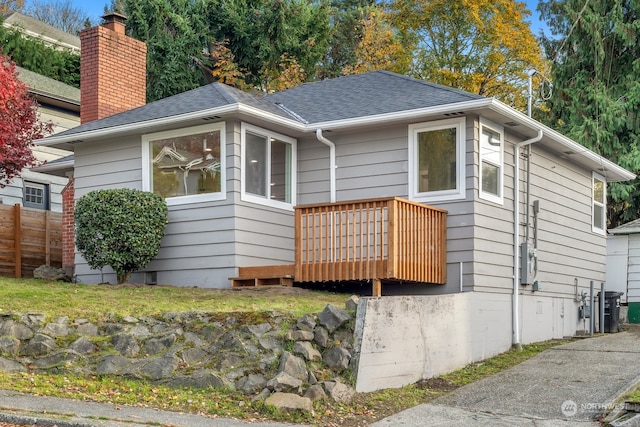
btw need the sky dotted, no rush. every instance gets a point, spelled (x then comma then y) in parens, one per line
(95, 9)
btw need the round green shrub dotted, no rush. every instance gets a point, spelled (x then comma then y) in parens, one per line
(121, 228)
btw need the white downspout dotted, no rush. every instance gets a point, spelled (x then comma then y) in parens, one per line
(516, 239)
(332, 162)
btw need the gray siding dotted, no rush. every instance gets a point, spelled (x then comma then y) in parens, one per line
(567, 247)
(199, 245)
(264, 235)
(207, 242)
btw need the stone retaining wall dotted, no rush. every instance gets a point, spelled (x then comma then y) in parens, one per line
(269, 355)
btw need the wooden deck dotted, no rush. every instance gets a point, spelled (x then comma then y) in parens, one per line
(388, 239)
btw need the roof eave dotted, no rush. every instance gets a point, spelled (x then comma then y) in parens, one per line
(68, 141)
(611, 171)
(57, 166)
(402, 115)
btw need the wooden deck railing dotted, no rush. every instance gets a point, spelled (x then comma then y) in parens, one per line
(388, 238)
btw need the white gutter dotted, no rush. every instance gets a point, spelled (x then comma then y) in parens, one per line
(332, 162)
(149, 124)
(516, 239)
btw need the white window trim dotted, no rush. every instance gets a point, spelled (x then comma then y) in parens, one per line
(436, 196)
(46, 195)
(499, 199)
(194, 198)
(248, 197)
(594, 177)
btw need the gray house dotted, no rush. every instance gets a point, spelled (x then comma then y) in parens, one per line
(378, 177)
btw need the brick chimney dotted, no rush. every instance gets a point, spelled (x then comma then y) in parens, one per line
(113, 79)
(112, 70)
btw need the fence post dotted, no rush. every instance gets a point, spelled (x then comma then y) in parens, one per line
(17, 247)
(47, 237)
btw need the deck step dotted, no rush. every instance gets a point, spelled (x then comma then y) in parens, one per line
(268, 275)
(237, 282)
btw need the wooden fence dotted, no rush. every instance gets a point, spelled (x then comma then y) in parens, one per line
(29, 238)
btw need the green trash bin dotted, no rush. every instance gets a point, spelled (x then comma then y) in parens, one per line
(611, 311)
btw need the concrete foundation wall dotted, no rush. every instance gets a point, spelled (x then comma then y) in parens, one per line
(402, 340)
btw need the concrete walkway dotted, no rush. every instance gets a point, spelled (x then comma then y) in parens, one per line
(570, 385)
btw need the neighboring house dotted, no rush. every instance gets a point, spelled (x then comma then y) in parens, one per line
(623, 266)
(58, 103)
(34, 28)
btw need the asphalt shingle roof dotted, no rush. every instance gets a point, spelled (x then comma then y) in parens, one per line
(47, 86)
(205, 97)
(361, 95)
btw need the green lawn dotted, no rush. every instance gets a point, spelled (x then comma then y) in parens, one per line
(56, 299)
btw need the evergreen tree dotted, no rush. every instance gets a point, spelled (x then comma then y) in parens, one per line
(270, 37)
(596, 95)
(346, 30)
(175, 31)
(33, 54)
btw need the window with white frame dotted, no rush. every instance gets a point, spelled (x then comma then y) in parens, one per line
(185, 165)
(36, 195)
(268, 167)
(491, 157)
(599, 213)
(436, 160)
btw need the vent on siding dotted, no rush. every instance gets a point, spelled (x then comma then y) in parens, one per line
(208, 119)
(459, 113)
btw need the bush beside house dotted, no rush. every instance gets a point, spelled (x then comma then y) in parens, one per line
(120, 228)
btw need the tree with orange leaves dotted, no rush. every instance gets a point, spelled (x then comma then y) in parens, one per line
(482, 46)
(379, 47)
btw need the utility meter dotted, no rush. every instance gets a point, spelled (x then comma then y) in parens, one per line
(528, 258)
